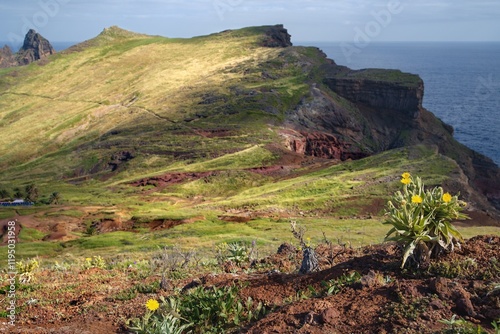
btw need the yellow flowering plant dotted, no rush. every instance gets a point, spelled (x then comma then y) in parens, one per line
(152, 304)
(95, 261)
(26, 270)
(421, 221)
(160, 318)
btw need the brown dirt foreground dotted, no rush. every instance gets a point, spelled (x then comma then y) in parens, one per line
(386, 299)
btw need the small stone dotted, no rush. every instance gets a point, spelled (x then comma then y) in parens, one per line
(330, 316)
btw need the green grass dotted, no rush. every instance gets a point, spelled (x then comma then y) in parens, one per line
(104, 242)
(66, 213)
(30, 235)
(392, 76)
(71, 109)
(25, 250)
(204, 235)
(7, 213)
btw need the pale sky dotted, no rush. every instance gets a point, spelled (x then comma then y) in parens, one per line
(306, 20)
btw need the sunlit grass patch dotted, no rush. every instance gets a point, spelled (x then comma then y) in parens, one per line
(66, 213)
(30, 235)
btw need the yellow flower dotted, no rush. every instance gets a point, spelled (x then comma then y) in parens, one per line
(416, 199)
(152, 304)
(405, 181)
(447, 198)
(88, 259)
(406, 175)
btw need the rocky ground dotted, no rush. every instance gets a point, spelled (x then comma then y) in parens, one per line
(369, 293)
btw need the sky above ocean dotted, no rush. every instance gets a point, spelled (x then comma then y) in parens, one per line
(358, 21)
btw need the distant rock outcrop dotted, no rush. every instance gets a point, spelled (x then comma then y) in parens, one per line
(7, 58)
(277, 37)
(35, 47)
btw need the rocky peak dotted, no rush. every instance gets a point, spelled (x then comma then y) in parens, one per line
(35, 47)
(277, 37)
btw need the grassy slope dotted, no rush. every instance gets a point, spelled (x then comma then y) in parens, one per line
(154, 97)
(136, 85)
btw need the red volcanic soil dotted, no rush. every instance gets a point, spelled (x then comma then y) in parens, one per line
(384, 300)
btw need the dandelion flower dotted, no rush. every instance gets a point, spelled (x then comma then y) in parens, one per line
(152, 304)
(406, 175)
(416, 199)
(447, 198)
(405, 181)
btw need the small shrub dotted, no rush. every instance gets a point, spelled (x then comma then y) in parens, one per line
(94, 262)
(421, 221)
(171, 263)
(335, 286)
(461, 326)
(172, 260)
(91, 229)
(405, 309)
(159, 319)
(331, 256)
(55, 198)
(215, 310)
(235, 252)
(63, 266)
(153, 287)
(127, 294)
(26, 270)
(310, 261)
(458, 268)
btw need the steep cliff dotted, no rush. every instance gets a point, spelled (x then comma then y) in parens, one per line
(350, 114)
(387, 89)
(277, 37)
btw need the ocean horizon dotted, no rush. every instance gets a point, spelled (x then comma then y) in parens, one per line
(58, 46)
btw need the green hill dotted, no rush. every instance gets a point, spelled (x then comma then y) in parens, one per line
(134, 128)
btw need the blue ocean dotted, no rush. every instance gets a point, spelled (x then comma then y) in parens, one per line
(462, 82)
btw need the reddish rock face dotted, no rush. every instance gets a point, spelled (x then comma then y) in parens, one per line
(321, 145)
